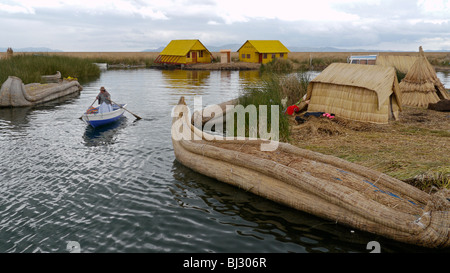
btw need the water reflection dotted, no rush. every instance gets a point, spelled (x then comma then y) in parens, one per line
(185, 79)
(103, 135)
(18, 116)
(256, 217)
(15, 115)
(252, 216)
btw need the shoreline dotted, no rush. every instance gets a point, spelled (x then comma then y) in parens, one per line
(139, 59)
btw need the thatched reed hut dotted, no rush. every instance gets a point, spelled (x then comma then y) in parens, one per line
(9, 53)
(421, 86)
(367, 93)
(400, 63)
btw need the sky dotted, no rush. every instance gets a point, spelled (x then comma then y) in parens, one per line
(137, 25)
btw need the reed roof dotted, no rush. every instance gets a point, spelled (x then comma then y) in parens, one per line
(421, 85)
(401, 63)
(379, 79)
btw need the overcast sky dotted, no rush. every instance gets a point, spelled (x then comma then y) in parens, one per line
(127, 25)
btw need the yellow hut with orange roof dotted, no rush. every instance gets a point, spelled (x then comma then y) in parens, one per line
(184, 52)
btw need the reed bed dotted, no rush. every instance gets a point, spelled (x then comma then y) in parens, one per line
(30, 68)
(277, 66)
(273, 90)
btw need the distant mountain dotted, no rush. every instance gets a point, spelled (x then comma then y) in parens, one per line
(31, 49)
(328, 49)
(334, 49)
(233, 47)
(159, 49)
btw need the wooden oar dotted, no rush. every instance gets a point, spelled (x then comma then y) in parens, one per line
(90, 106)
(136, 116)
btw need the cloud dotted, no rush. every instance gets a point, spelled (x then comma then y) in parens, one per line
(8, 8)
(286, 10)
(125, 25)
(97, 7)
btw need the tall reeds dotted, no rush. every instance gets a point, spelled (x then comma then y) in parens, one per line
(30, 68)
(277, 66)
(272, 90)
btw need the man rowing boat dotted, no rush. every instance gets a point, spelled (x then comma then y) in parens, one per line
(104, 99)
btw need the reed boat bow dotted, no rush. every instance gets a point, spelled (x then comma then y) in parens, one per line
(322, 185)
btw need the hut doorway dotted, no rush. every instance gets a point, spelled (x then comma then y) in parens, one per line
(194, 57)
(438, 92)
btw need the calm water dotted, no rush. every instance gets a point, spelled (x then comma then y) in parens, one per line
(445, 78)
(120, 189)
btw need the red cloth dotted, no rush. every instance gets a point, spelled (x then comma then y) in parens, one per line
(291, 109)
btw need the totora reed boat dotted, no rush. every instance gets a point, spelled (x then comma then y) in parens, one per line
(322, 185)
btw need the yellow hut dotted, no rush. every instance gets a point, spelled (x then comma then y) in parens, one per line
(184, 52)
(262, 51)
(367, 93)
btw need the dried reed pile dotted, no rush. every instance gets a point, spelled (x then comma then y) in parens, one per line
(319, 184)
(358, 92)
(421, 86)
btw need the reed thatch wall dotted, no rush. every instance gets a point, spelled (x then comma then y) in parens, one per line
(421, 86)
(357, 92)
(400, 63)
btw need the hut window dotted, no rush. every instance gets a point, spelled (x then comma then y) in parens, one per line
(188, 55)
(265, 55)
(274, 56)
(248, 56)
(243, 56)
(201, 54)
(281, 55)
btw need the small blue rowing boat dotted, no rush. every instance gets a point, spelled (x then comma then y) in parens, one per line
(95, 119)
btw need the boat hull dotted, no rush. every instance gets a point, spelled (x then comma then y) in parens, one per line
(98, 120)
(13, 93)
(322, 185)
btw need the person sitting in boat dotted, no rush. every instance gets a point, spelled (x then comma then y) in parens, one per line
(104, 99)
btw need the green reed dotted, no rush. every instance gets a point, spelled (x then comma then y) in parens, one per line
(277, 66)
(30, 68)
(271, 91)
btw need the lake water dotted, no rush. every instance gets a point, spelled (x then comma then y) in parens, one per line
(120, 189)
(445, 78)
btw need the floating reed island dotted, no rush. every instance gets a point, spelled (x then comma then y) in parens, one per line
(322, 185)
(14, 93)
